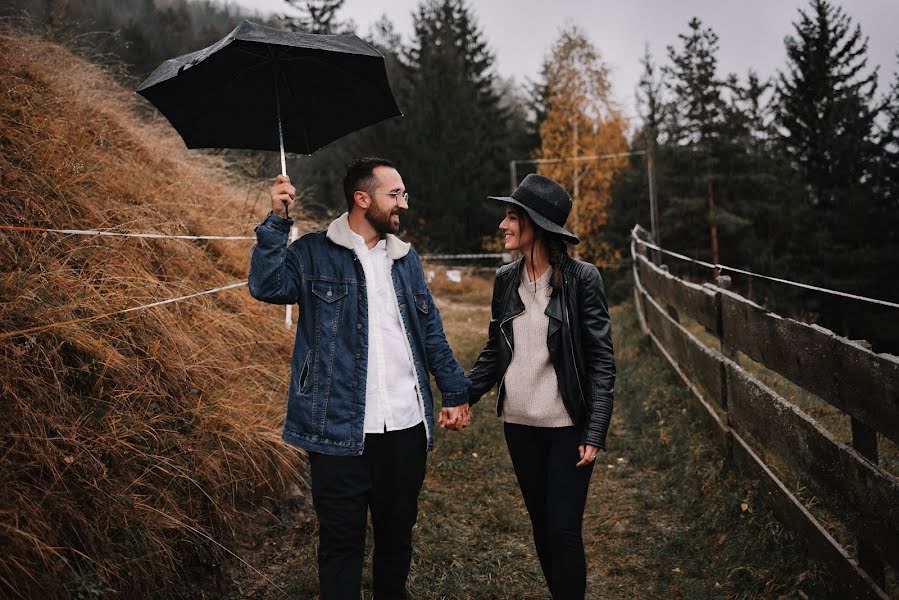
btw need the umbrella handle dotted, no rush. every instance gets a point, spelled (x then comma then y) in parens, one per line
(281, 141)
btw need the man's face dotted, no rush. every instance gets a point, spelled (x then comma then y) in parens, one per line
(384, 211)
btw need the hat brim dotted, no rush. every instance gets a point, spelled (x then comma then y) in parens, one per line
(541, 221)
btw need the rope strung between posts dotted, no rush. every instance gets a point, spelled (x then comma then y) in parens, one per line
(95, 232)
(459, 256)
(777, 279)
(40, 328)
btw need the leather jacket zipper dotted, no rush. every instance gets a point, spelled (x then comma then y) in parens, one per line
(499, 393)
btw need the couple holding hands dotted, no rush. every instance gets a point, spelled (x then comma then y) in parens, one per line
(369, 337)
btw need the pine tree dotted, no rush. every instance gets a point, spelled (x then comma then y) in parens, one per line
(888, 180)
(650, 103)
(458, 134)
(697, 116)
(695, 87)
(826, 103)
(318, 16)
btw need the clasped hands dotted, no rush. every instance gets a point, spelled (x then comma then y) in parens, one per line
(456, 418)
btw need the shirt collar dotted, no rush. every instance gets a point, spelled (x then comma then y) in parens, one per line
(359, 242)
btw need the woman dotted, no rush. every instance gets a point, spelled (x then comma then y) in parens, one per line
(549, 352)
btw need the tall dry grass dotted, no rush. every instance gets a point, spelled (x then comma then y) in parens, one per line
(128, 443)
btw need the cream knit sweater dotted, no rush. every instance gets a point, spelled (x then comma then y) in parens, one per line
(532, 390)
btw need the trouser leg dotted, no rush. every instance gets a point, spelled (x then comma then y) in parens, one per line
(566, 497)
(529, 454)
(398, 466)
(340, 488)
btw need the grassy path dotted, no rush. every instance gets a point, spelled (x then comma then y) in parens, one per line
(663, 519)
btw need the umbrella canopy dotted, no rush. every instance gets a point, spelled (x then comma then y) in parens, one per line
(261, 88)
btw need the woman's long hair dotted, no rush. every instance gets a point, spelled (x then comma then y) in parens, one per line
(556, 248)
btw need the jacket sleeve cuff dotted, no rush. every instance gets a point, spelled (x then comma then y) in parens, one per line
(276, 222)
(594, 442)
(594, 437)
(453, 399)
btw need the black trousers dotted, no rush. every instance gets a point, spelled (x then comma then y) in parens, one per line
(555, 492)
(386, 479)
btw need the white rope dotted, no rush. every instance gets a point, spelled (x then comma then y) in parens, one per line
(777, 279)
(459, 256)
(542, 161)
(180, 298)
(96, 232)
(123, 311)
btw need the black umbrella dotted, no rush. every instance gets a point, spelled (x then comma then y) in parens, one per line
(231, 94)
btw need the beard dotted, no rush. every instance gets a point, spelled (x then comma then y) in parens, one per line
(382, 220)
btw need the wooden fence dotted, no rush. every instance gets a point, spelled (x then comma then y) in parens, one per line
(756, 425)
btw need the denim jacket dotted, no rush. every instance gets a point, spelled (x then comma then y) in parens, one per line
(321, 273)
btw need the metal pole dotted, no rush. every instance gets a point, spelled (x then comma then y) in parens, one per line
(575, 210)
(280, 133)
(513, 176)
(653, 205)
(281, 140)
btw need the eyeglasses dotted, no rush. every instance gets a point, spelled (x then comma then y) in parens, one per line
(397, 196)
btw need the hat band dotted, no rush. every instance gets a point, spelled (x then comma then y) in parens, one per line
(540, 205)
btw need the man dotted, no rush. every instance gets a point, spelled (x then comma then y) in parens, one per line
(360, 401)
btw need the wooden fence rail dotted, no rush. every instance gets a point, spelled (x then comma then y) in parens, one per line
(756, 424)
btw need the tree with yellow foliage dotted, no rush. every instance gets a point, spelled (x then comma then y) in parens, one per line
(581, 121)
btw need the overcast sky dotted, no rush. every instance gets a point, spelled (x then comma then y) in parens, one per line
(751, 34)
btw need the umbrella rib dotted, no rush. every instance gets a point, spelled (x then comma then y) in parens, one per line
(309, 149)
(205, 114)
(329, 65)
(279, 74)
(255, 54)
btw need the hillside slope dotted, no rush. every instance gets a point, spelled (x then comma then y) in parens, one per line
(128, 441)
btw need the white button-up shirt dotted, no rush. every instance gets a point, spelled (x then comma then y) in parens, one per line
(391, 397)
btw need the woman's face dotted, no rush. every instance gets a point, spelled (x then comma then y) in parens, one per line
(518, 232)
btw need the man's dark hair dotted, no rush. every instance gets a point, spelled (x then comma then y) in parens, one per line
(360, 176)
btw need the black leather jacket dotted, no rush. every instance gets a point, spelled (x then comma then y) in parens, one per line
(579, 340)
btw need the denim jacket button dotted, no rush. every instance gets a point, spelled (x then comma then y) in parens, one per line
(358, 356)
(359, 326)
(355, 384)
(330, 293)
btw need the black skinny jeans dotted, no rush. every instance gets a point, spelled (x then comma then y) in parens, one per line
(555, 492)
(386, 479)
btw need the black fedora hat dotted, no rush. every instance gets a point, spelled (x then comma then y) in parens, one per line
(546, 202)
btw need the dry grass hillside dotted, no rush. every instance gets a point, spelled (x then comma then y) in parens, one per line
(128, 443)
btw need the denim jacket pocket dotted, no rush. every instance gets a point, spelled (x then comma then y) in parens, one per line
(329, 291)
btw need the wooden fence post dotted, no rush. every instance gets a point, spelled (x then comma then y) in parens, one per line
(724, 282)
(864, 441)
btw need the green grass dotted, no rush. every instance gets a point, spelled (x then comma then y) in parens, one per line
(695, 539)
(664, 519)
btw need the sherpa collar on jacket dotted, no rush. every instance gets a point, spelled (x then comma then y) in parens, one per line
(340, 233)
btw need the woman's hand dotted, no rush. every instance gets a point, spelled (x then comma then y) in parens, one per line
(456, 418)
(588, 454)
